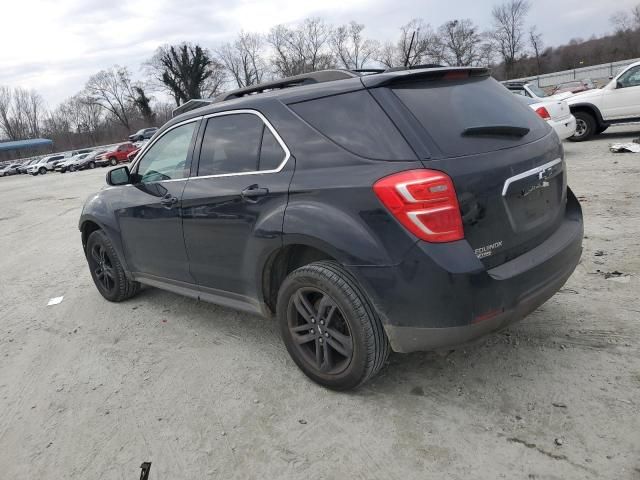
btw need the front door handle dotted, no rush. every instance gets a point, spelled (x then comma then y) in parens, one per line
(253, 192)
(168, 200)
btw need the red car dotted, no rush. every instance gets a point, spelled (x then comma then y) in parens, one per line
(116, 155)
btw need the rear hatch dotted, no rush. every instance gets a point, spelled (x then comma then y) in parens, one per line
(506, 164)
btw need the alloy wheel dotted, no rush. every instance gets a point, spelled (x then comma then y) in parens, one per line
(319, 330)
(102, 267)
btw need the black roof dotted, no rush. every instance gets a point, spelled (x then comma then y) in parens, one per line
(313, 85)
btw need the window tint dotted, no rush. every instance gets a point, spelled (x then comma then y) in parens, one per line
(446, 108)
(271, 152)
(231, 144)
(357, 123)
(167, 158)
(631, 78)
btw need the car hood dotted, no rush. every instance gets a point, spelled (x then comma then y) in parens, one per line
(584, 96)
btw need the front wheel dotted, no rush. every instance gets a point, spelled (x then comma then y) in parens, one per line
(42, 171)
(107, 271)
(113, 161)
(329, 327)
(92, 165)
(585, 127)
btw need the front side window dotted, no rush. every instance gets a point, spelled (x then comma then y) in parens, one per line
(167, 157)
(238, 143)
(631, 78)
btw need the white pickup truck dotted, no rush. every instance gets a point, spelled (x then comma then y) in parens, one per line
(617, 102)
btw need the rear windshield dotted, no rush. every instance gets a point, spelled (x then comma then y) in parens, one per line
(446, 108)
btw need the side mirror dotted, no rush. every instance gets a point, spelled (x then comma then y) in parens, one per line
(118, 176)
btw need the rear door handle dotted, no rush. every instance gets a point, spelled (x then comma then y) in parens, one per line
(254, 191)
(168, 200)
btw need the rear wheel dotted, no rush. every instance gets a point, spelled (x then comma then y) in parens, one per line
(107, 271)
(585, 127)
(329, 328)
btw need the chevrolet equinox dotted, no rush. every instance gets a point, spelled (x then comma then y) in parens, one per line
(400, 210)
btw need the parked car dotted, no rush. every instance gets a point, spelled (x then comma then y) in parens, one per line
(65, 165)
(575, 86)
(116, 155)
(89, 161)
(142, 134)
(133, 153)
(25, 165)
(556, 113)
(616, 103)
(369, 213)
(11, 169)
(44, 165)
(532, 91)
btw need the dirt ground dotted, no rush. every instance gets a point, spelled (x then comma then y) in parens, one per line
(90, 389)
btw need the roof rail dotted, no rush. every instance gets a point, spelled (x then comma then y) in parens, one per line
(303, 79)
(191, 105)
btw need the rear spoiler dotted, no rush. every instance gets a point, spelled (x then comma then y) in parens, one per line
(391, 77)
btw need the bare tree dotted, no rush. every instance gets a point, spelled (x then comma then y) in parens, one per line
(462, 42)
(508, 31)
(6, 124)
(301, 49)
(535, 39)
(112, 91)
(351, 49)
(21, 113)
(418, 44)
(243, 59)
(186, 71)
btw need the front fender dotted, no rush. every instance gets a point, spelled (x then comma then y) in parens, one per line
(97, 211)
(588, 106)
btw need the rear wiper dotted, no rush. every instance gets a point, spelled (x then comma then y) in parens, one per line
(499, 130)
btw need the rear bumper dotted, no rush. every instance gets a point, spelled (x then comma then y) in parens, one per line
(565, 127)
(441, 296)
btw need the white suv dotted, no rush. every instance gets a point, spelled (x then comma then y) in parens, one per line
(617, 102)
(44, 165)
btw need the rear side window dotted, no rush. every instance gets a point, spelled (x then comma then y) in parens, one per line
(238, 143)
(446, 108)
(357, 123)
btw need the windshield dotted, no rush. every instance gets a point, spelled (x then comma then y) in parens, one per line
(537, 91)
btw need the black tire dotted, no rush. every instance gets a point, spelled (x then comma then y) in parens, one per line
(113, 161)
(351, 347)
(92, 165)
(72, 169)
(106, 270)
(586, 127)
(42, 171)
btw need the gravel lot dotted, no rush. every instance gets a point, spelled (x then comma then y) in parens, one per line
(90, 389)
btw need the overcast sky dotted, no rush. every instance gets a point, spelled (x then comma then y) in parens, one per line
(54, 45)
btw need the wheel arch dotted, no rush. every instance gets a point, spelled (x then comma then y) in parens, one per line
(589, 108)
(285, 260)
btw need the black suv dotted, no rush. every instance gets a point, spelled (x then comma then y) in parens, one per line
(400, 210)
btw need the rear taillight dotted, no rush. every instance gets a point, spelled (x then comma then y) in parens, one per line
(543, 112)
(425, 202)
